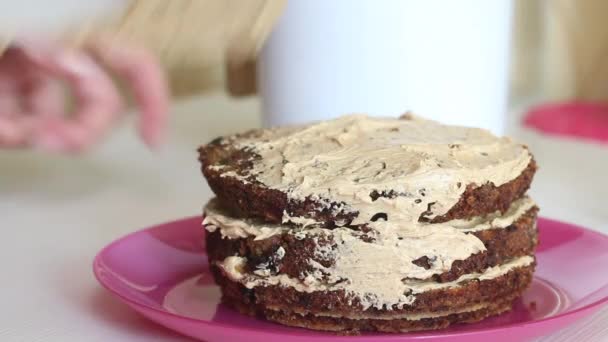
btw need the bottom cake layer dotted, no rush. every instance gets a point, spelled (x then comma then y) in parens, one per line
(484, 298)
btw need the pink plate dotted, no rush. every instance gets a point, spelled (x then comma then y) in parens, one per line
(162, 273)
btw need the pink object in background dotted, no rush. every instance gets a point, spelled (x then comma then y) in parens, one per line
(162, 272)
(584, 120)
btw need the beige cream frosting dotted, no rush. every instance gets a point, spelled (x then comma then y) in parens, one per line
(218, 218)
(495, 220)
(346, 159)
(235, 228)
(374, 271)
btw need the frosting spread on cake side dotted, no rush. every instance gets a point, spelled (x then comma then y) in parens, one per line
(380, 271)
(379, 297)
(231, 227)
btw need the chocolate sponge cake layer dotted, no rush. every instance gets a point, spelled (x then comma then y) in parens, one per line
(356, 326)
(240, 169)
(255, 200)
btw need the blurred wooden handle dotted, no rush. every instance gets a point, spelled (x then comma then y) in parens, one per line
(241, 77)
(205, 45)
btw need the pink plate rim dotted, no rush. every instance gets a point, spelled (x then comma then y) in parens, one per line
(589, 308)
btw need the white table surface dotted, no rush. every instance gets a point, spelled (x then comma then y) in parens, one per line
(58, 211)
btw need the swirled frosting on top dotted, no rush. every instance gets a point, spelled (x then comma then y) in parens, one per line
(403, 168)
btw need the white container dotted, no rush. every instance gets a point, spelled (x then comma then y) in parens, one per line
(444, 60)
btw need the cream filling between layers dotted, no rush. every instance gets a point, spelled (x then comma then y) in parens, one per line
(389, 315)
(425, 165)
(400, 296)
(217, 218)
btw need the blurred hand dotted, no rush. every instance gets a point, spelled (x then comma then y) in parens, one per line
(34, 76)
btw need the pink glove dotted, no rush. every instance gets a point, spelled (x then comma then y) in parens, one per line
(32, 108)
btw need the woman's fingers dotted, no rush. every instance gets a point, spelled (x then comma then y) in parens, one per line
(34, 92)
(97, 100)
(144, 76)
(14, 124)
(11, 133)
(45, 98)
(33, 75)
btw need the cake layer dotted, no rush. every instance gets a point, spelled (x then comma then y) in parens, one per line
(441, 252)
(355, 170)
(408, 296)
(467, 300)
(355, 326)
